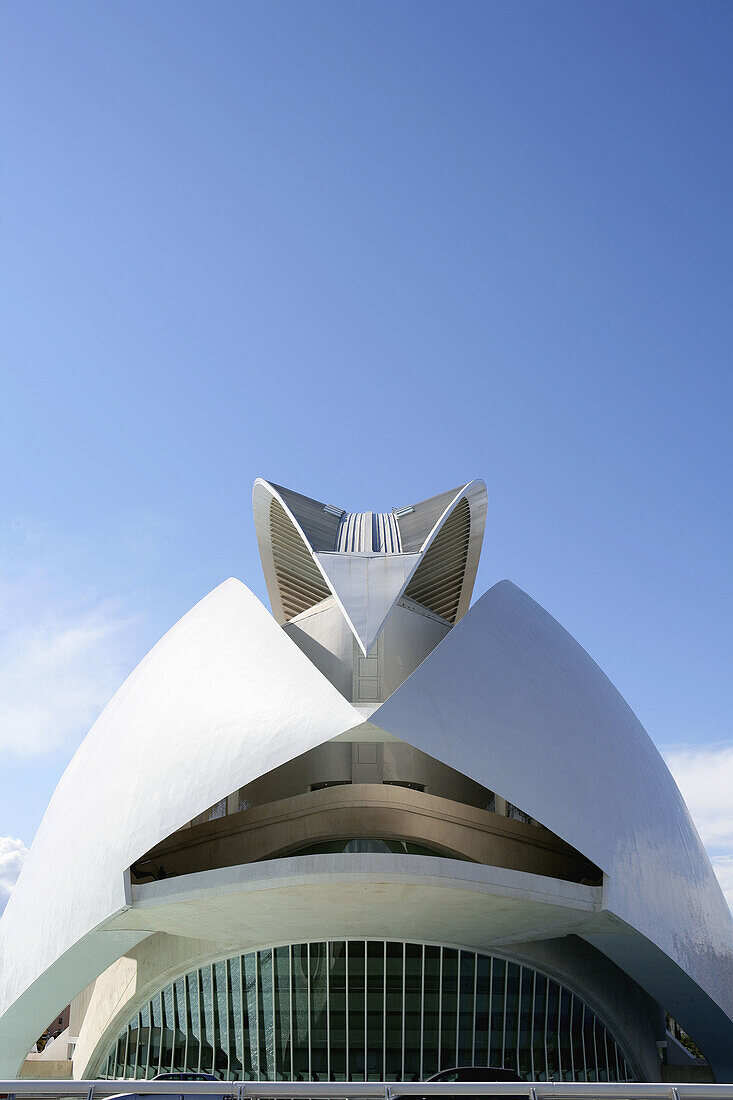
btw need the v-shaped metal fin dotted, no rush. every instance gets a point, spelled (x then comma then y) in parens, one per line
(367, 586)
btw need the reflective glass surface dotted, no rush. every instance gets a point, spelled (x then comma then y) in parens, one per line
(355, 1010)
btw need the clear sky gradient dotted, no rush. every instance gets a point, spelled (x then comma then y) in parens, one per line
(369, 251)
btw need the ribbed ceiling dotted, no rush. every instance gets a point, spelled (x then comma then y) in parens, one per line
(300, 583)
(438, 581)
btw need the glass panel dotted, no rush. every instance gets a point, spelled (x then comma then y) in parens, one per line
(356, 1011)
(553, 1061)
(143, 1041)
(179, 1038)
(511, 1016)
(207, 1020)
(524, 1056)
(449, 1008)
(590, 1055)
(566, 1059)
(393, 1037)
(221, 1023)
(375, 1010)
(481, 1056)
(265, 1018)
(299, 999)
(496, 1056)
(413, 999)
(318, 1012)
(431, 1012)
(318, 969)
(194, 1021)
(282, 1014)
(467, 971)
(249, 1007)
(156, 1027)
(337, 1009)
(169, 1026)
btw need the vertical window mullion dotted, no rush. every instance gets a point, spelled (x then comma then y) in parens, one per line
(570, 1029)
(547, 1009)
(291, 998)
(274, 1026)
(519, 1013)
(595, 1047)
(327, 953)
(257, 1014)
(440, 1010)
(532, 1024)
(458, 1004)
(503, 1015)
(490, 1013)
(308, 1001)
(162, 1026)
(422, 1014)
(475, 1000)
(582, 1035)
(366, 1025)
(346, 1002)
(404, 966)
(245, 1032)
(384, 1013)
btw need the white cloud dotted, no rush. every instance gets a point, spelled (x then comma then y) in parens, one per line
(705, 777)
(723, 866)
(63, 653)
(56, 674)
(12, 855)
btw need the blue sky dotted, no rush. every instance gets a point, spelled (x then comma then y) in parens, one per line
(370, 251)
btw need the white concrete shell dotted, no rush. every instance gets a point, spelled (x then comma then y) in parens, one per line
(507, 698)
(224, 697)
(510, 699)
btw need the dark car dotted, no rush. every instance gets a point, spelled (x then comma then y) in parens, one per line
(184, 1075)
(477, 1074)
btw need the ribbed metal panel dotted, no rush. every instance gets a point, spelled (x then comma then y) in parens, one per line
(300, 583)
(368, 533)
(386, 533)
(439, 578)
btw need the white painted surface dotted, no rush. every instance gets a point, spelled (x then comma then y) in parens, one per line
(224, 697)
(511, 699)
(367, 587)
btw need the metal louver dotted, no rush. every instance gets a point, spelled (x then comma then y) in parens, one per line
(299, 581)
(439, 578)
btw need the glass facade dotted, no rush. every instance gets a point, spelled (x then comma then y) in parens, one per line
(355, 1010)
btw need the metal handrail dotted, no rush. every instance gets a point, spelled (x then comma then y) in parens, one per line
(363, 1090)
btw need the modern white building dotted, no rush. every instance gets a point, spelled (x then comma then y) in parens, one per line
(371, 835)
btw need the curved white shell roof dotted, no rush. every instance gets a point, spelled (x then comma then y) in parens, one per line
(508, 698)
(223, 697)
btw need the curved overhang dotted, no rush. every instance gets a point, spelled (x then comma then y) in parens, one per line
(435, 565)
(224, 697)
(510, 699)
(380, 897)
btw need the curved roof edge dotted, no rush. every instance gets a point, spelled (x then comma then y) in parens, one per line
(224, 697)
(540, 722)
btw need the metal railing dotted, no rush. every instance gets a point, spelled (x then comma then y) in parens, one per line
(362, 1090)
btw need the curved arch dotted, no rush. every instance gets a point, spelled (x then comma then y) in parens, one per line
(241, 1056)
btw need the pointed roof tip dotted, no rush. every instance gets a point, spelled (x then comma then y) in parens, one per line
(367, 587)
